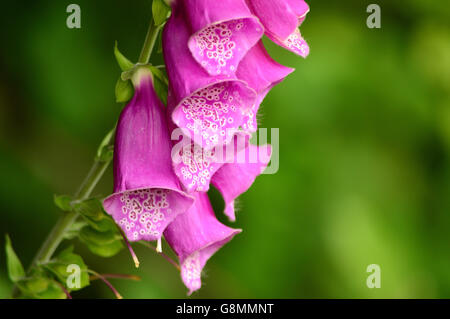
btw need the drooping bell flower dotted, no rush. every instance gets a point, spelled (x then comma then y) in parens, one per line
(208, 109)
(281, 19)
(221, 32)
(195, 236)
(195, 165)
(147, 195)
(261, 73)
(234, 179)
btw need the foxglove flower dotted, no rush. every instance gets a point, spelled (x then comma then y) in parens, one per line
(209, 109)
(234, 179)
(261, 73)
(195, 165)
(281, 19)
(195, 236)
(147, 194)
(221, 32)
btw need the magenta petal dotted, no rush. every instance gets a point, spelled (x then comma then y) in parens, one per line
(212, 116)
(195, 166)
(221, 32)
(147, 195)
(261, 73)
(195, 236)
(209, 109)
(299, 7)
(276, 16)
(234, 179)
(294, 43)
(283, 31)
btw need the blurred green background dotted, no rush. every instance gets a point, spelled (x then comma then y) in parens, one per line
(364, 151)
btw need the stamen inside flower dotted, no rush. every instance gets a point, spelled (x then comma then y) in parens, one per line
(220, 47)
(130, 249)
(159, 246)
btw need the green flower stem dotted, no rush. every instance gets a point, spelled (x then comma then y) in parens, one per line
(150, 41)
(62, 226)
(99, 167)
(64, 223)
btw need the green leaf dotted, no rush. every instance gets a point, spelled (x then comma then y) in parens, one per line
(124, 90)
(102, 236)
(159, 74)
(160, 46)
(104, 224)
(64, 202)
(41, 288)
(91, 208)
(107, 250)
(36, 285)
(127, 75)
(95, 216)
(161, 90)
(105, 151)
(13, 264)
(160, 12)
(123, 62)
(53, 291)
(107, 155)
(160, 83)
(92, 236)
(74, 230)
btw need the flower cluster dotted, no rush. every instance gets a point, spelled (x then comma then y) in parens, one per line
(166, 157)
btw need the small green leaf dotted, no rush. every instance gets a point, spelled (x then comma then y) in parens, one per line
(104, 224)
(105, 150)
(160, 46)
(95, 216)
(127, 75)
(37, 284)
(14, 266)
(74, 230)
(91, 208)
(160, 12)
(92, 236)
(124, 90)
(161, 90)
(63, 202)
(107, 250)
(159, 74)
(160, 83)
(123, 62)
(53, 291)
